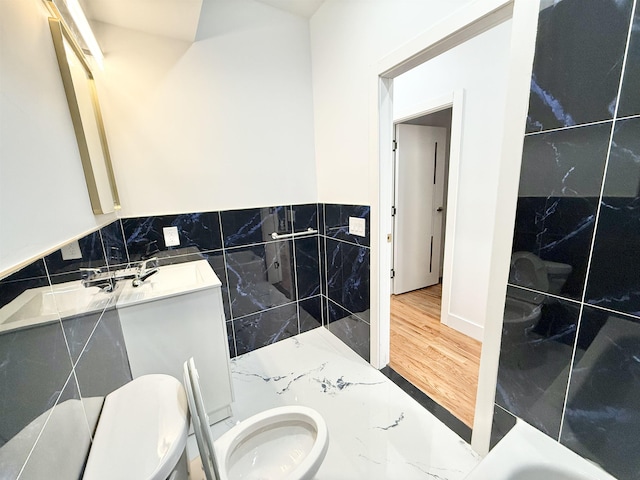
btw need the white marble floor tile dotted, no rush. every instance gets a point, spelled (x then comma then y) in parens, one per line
(376, 430)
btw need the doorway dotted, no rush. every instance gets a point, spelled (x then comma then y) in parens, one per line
(438, 360)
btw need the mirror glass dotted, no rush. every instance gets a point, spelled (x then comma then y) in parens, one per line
(87, 121)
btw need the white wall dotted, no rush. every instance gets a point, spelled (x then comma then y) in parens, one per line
(479, 67)
(43, 195)
(225, 122)
(348, 37)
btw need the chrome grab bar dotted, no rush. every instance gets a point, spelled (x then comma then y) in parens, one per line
(308, 231)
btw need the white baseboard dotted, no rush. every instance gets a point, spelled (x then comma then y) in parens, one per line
(464, 326)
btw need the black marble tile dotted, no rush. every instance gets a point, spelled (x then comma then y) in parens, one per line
(349, 328)
(104, 364)
(260, 277)
(423, 399)
(254, 225)
(216, 260)
(310, 313)
(33, 275)
(145, 236)
(61, 454)
(265, 328)
(614, 282)
(560, 183)
(305, 217)
(323, 265)
(630, 94)
(92, 256)
(77, 331)
(337, 222)
(535, 355)
(578, 62)
(34, 367)
(348, 276)
(602, 417)
(503, 421)
(114, 244)
(307, 266)
(231, 340)
(322, 224)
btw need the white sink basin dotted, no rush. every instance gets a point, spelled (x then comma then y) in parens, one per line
(44, 304)
(169, 281)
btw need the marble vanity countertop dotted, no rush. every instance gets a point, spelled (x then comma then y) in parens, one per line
(376, 430)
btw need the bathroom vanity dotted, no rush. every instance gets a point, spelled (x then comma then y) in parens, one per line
(174, 315)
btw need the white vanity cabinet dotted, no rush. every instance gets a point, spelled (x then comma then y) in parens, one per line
(174, 315)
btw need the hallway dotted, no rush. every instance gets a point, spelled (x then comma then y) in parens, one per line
(437, 359)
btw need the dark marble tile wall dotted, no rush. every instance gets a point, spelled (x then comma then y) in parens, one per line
(272, 289)
(345, 276)
(57, 358)
(571, 332)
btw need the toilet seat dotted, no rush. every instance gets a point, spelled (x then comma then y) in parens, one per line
(286, 442)
(142, 430)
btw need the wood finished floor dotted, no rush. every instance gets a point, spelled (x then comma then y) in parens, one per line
(437, 359)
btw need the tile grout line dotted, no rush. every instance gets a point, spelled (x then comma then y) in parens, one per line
(546, 294)
(295, 265)
(568, 127)
(226, 276)
(597, 217)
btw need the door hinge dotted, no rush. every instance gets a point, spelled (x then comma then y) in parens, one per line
(393, 211)
(395, 145)
(393, 273)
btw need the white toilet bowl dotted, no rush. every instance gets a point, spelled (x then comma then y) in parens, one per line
(286, 442)
(282, 443)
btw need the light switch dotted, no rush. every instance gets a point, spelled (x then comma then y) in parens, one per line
(71, 251)
(171, 237)
(357, 226)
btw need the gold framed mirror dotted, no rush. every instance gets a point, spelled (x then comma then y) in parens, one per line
(80, 89)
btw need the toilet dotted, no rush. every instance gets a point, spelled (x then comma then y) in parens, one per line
(523, 308)
(142, 432)
(287, 442)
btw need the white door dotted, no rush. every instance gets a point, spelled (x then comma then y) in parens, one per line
(419, 203)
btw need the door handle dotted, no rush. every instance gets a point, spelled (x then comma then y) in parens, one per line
(439, 209)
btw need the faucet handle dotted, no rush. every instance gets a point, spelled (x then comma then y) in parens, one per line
(89, 273)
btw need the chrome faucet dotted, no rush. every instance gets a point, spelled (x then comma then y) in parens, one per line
(94, 277)
(146, 268)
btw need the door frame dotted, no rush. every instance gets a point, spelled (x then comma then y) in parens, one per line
(461, 26)
(455, 101)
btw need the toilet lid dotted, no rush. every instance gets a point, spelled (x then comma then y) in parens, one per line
(142, 430)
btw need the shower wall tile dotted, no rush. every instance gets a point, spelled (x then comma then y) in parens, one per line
(351, 329)
(310, 311)
(305, 217)
(34, 367)
(105, 347)
(502, 423)
(578, 62)
(602, 416)
(630, 94)
(260, 277)
(92, 256)
(265, 328)
(535, 354)
(231, 339)
(560, 181)
(307, 266)
(216, 260)
(144, 236)
(614, 282)
(114, 244)
(66, 456)
(254, 225)
(348, 276)
(33, 275)
(336, 219)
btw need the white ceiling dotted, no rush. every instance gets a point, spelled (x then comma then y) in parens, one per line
(172, 18)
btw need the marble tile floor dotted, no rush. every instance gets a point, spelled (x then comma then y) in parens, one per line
(376, 430)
